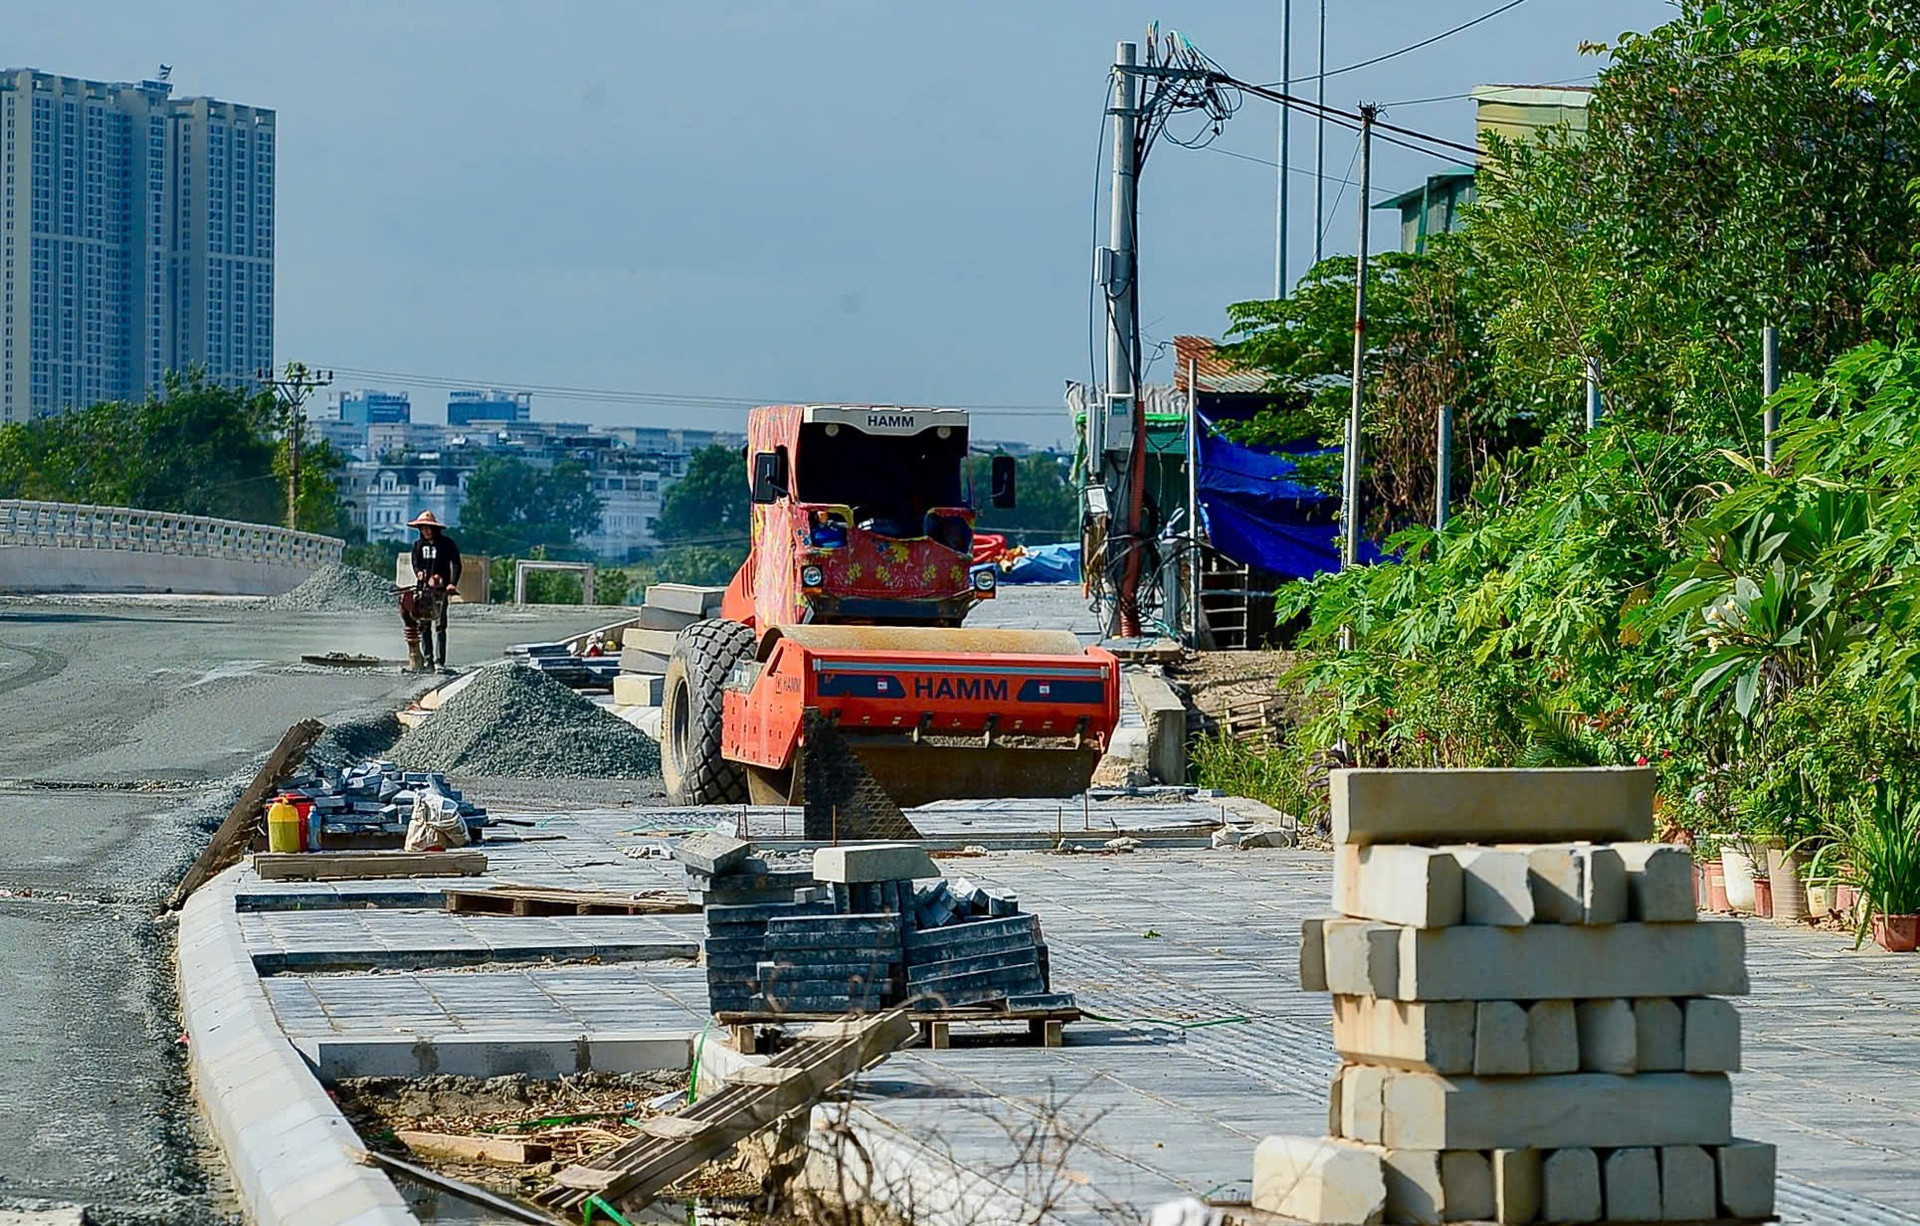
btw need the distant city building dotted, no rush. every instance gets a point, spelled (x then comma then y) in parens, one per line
(383, 498)
(136, 237)
(346, 437)
(370, 408)
(465, 408)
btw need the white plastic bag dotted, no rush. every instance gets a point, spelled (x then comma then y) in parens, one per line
(437, 824)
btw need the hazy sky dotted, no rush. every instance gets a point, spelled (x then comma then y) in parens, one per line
(819, 200)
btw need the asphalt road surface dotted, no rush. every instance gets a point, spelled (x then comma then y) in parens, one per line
(126, 729)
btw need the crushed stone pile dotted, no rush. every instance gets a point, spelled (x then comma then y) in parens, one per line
(515, 722)
(337, 589)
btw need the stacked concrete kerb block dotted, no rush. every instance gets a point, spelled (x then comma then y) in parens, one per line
(1527, 1010)
(869, 926)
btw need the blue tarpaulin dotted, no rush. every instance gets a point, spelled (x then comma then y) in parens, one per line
(1045, 564)
(1256, 513)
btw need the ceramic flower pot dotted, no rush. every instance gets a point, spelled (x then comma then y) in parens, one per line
(1789, 895)
(1898, 934)
(1846, 903)
(1740, 878)
(1763, 898)
(1819, 901)
(1717, 887)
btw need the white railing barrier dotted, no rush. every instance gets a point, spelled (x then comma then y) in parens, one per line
(76, 526)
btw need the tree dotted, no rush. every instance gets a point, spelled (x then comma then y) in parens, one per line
(1047, 508)
(321, 507)
(195, 447)
(709, 505)
(513, 507)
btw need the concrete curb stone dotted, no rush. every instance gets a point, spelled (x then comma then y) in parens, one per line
(283, 1138)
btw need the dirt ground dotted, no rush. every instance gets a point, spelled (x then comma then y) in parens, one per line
(1219, 681)
(575, 1116)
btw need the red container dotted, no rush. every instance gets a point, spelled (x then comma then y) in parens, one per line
(1762, 897)
(1897, 934)
(1717, 887)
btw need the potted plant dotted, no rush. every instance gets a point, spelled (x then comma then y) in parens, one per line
(1875, 849)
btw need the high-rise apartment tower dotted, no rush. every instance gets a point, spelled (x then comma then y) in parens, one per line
(136, 237)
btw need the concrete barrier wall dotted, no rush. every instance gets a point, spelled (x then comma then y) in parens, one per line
(68, 547)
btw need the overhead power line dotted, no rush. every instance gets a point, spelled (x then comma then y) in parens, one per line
(1351, 121)
(1426, 42)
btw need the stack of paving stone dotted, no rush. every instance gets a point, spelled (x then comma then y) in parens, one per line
(573, 671)
(375, 797)
(860, 935)
(723, 870)
(1527, 1011)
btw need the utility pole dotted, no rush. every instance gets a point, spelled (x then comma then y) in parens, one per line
(1769, 384)
(1350, 473)
(1193, 497)
(1442, 467)
(1320, 139)
(1350, 457)
(1593, 394)
(1286, 131)
(1123, 331)
(291, 392)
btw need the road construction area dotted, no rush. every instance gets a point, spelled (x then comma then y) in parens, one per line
(314, 1006)
(127, 726)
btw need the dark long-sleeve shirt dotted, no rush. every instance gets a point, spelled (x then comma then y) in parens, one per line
(439, 556)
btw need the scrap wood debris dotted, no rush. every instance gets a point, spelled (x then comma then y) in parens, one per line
(474, 1129)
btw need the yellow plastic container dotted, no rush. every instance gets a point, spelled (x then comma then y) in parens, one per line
(283, 827)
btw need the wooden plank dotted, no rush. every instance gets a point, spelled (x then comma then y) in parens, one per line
(764, 1075)
(495, 1151)
(343, 865)
(673, 1127)
(229, 841)
(631, 1173)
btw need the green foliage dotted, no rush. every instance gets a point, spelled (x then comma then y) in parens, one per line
(709, 505)
(1649, 591)
(1875, 847)
(1273, 775)
(196, 447)
(514, 508)
(700, 565)
(1047, 505)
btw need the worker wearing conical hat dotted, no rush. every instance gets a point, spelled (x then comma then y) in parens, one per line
(423, 608)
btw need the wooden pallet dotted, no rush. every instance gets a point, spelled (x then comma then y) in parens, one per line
(1045, 1027)
(350, 865)
(540, 900)
(755, 1098)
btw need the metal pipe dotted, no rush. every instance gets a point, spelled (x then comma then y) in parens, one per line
(1320, 139)
(1769, 384)
(1442, 467)
(1593, 394)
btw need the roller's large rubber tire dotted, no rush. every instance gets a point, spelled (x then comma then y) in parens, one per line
(691, 763)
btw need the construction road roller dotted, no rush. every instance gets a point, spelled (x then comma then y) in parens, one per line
(840, 661)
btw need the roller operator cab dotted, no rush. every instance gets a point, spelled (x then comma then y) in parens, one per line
(850, 605)
(862, 515)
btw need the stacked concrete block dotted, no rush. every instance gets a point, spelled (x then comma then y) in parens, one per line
(875, 926)
(1527, 1009)
(722, 870)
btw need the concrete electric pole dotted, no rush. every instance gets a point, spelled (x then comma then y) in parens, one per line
(1350, 469)
(1286, 144)
(291, 392)
(1123, 337)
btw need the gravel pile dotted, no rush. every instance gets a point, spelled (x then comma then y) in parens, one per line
(338, 589)
(514, 722)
